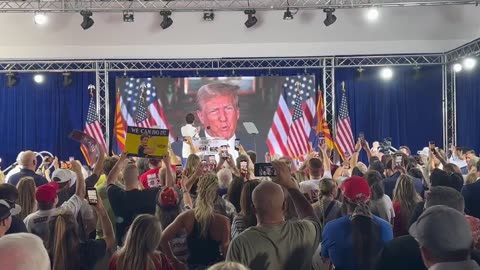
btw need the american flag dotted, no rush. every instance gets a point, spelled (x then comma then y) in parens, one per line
(120, 132)
(93, 128)
(142, 115)
(344, 135)
(150, 114)
(285, 134)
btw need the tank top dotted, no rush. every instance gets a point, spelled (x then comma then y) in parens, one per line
(203, 251)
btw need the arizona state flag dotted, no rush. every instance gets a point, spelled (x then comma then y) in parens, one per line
(320, 126)
(119, 126)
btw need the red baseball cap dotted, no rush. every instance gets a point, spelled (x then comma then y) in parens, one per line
(356, 189)
(47, 193)
(168, 197)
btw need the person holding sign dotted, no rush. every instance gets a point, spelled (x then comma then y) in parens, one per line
(146, 142)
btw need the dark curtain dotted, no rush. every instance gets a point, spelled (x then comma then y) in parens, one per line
(407, 108)
(468, 106)
(39, 117)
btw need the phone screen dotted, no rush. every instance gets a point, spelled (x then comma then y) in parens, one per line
(431, 144)
(243, 165)
(264, 169)
(178, 171)
(361, 136)
(92, 196)
(321, 140)
(211, 159)
(237, 144)
(71, 159)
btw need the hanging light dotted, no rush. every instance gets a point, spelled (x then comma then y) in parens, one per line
(386, 73)
(38, 78)
(288, 15)
(457, 67)
(166, 21)
(251, 20)
(87, 20)
(40, 18)
(330, 17)
(372, 14)
(469, 63)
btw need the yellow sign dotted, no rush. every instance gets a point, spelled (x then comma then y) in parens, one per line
(146, 142)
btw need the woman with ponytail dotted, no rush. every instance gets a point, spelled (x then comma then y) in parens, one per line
(208, 232)
(140, 248)
(353, 242)
(64, 247)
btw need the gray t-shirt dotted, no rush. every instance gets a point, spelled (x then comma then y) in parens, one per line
(286, 246)
(321, 206)
(383, 208)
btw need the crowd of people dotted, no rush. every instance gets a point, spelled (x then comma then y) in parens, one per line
(396, 211)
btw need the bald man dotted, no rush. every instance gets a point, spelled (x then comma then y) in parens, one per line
(23, 251)
(276, 244)
(28, 161)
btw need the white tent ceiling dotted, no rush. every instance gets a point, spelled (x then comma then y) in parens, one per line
(398, 30)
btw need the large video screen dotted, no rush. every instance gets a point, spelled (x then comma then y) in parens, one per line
(221, 106)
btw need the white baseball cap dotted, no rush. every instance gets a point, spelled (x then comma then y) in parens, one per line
(64, 175)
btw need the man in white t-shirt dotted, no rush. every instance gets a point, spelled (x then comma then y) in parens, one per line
(317, 172)
(47, 199)
(188, 131)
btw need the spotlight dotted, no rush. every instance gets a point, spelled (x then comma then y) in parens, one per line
(167, 21)
(372, 14)
(288, 15)
(87, 21)
(252, 20)
(208, 15)
(128, 16)
(40, 18)
(330, 19)
(38, 78)
(469, 63)
(67, 79)
(457, 67)
(386, 73)
(11, 79)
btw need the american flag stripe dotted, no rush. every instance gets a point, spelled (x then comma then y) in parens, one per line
(158, 117)
(93, 129)
(344, 135)
(277, 137)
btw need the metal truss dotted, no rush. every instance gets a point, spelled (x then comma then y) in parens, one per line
(199, 5)
(389, 60)
(329, 91)
(215, 64)
(102, 95)
(449, 106)
(47, 66)
(469, 49)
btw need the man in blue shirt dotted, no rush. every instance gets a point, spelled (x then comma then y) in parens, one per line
(28, 161)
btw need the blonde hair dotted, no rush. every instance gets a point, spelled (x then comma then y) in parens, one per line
(228, 266)
(63, 242)
(471, 178)
(191, 165)
(26, 196)
(143, 238)
(406, 195)
(204, 205)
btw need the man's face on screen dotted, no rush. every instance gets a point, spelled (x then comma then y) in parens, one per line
(221, 115)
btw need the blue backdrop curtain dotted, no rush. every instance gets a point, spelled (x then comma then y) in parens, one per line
(407, 108)
(40, 116)
(468, 106)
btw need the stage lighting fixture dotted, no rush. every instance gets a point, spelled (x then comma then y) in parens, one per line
(87, 20)
(457, 67)
(128, 16)
(372, 14)
(469, 63)
(166, 21)
(386, 73)
(252, 20)
(288, 15)
(40, 18)
(38, 78)
(67, 79)
(330, 19)
(11, 79)
(208, 15)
